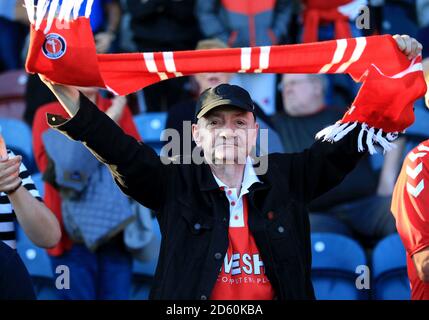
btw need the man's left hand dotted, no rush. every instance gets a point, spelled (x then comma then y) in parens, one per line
(409, 46)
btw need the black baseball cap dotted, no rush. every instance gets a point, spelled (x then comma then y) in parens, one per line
(223, 95)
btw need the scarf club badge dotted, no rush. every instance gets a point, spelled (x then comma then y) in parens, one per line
(54, 47)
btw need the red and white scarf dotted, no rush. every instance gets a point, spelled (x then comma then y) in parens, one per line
(62, 48)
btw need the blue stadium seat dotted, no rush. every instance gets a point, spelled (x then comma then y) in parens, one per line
(335, 259)
(390, 270)
(38, 265)
(150, 126)
(18, 137)
(38, 181)
(144, 272)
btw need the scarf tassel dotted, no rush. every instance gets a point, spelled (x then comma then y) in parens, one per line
(51, 9)
(339, 130)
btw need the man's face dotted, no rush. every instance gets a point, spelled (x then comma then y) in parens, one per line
(302, 94)
(226, 135)
(211, 80)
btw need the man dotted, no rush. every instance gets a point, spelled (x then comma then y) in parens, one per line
(227, 232)
(20, 200)
(360, 205)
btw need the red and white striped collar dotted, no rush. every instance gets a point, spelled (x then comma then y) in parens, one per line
(249, 178)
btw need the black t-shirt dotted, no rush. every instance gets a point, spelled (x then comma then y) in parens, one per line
(15, 282)
(298, 133)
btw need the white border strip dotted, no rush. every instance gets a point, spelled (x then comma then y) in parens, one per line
(169, 63)
(338, 55)
(357, 53)
(246, 54)
(264, 59)
(151, 65)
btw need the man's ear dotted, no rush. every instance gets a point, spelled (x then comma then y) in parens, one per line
(196, 134)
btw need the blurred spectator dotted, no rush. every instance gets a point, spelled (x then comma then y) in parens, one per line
(12, 35)
(107, 272)
(15, 282)
(360, 205)
(248, 24)
(328, 20)
(186, 111)
(105, 20)
(163, 25)
(20, 201)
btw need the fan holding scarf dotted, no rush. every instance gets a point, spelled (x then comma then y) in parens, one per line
(224, 214)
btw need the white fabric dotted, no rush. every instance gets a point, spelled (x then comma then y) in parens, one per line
(236, 201)
(352, 9)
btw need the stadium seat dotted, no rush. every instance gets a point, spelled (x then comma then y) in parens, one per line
(335, 259)
(144, 272)
(150, 126)
(390, 270)
(12, 91)
(38, 265)
(17, 135)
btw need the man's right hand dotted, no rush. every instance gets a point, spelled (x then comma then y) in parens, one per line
(9, 169)
(68, 96)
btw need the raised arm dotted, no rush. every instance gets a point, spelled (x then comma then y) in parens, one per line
(323, 166)
(37, 221)
(136, 168)
(326, 163)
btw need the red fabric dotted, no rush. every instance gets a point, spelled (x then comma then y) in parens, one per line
(52, 197)
(379, 104)
(363, 58)
(318, 12)
(410, 206)
(242, 276)
(79, 49)
(249, 7)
